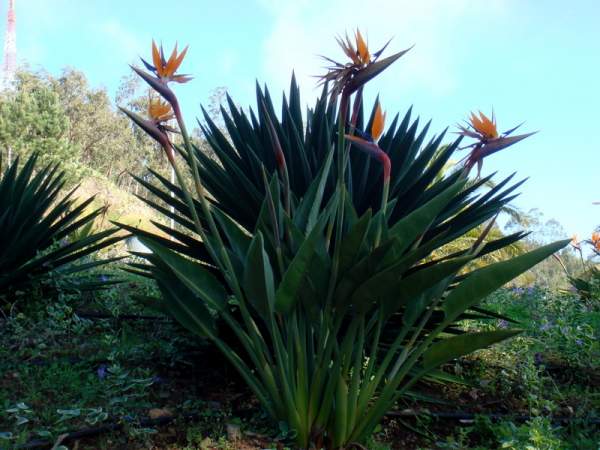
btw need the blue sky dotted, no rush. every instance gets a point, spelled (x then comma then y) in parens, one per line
(533, 61)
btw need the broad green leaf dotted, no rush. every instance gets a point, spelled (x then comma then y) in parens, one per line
(353, 241)
(238, 238)
(391, 289)
(258, 278)
(185, 307)
(197, 278)
(340, 419)
(288, 290)
(308, 210)
(420, 220)
(483, 282)
(448, 349)
(360, 272)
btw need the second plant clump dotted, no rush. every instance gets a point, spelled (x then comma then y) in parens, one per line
(307, 252)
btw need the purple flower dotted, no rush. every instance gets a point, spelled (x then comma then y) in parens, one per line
(101, 371)
(579, 342)
(545, 326)
(103, 278)
(503, 323)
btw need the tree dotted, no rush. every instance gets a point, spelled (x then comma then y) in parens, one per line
(66, 120)
(107, 141)
(32, 119)
(549, 273)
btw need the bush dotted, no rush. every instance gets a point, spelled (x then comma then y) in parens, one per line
(313, 244)
(46, 235)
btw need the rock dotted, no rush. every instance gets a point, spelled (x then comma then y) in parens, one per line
(206, 443)
(234, 432)
(157, 413)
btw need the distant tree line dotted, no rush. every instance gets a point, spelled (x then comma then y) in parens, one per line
(66, 120)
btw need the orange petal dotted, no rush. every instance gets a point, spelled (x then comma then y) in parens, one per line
(361, 46)
(155, 55)
(475, 122)
(169, 65)
(488, 126)
(179, 59)
(351, 51)
(378, 123)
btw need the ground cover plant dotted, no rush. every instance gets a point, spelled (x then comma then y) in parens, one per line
(66, 379)
(315, 252)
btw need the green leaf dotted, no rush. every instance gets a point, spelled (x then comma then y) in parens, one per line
(391, 289)
(483, 282)
(237, 237)
(418, 222)
(353, 241)
(306, 215)
(258, 278)
(196, 278)
(183, 305)
(288, 289)
(448, 349)
(360, 272)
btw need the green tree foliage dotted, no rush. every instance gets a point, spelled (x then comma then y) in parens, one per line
(65, 120)
(105, 139)
(33, 120)
(551, 273)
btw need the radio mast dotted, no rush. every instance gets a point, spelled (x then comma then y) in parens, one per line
(9, 65)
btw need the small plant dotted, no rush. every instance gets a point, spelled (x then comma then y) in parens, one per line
(306, 255)
(40, 228)
(587, 283)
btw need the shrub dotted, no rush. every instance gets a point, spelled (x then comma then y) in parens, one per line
(311, 244)
(44, 234)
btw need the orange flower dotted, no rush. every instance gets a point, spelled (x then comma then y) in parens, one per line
(596, 240)
(484, 126)
(362, 67)
(480, 127)
(378, 123)
(165, 69)
(162, 73)
(489, 141)
(159, 111)
(359, 53)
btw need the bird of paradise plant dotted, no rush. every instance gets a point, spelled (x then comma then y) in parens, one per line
(321, 272)
(489, 141)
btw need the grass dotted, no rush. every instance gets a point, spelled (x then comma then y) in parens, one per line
(59, 372)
